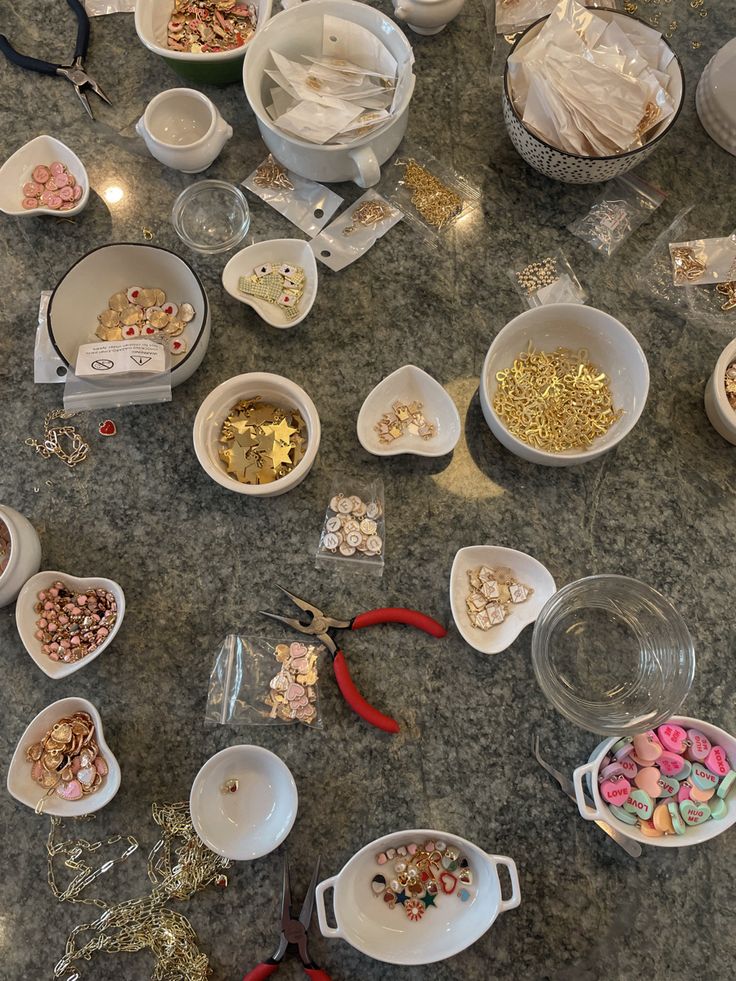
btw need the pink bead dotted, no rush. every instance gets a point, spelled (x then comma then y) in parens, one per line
(53, 655)
(48, 605)
(63, 619)
(75, 640)
(53, 591)
(43, 623)
(102, 632)
(51, 615)
(54, 646)
(38, 635)
(81, 600)
(52, 628)
(382, 859)
(42, 595)
(65, 644)
(75, 611)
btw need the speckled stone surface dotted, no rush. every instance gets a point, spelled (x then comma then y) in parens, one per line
(197, 561)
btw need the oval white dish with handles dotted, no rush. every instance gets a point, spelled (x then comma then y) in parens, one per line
(427, 17)
(386, 934)
(296, 32)
(585, 778)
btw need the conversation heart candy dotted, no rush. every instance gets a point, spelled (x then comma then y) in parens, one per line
(693, 813)
(647, 779)
(687, 769)
(670, 763)
(647, 747)
(662, 819)
(629, 767)
(717, 761)
(702, 777)
(701, 795)
(719, 809)
(677, 822)
(639, 802)
(612, 770)
(622, 749)
(615, 791)
(649, 829)
(726, 784)
(668, 786)
(684, 792)
(699, 746)
(672, 737)
(620, 814)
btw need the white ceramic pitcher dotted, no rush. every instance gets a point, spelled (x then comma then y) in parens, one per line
(184, 130)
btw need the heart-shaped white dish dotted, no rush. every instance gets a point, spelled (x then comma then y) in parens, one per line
(25, 789)
(276, 252)
(17, 170)
(25, 618)
(410, 384)
(526, 569)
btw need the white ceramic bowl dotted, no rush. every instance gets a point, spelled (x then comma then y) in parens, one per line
(25, 618)
(213, 411)
(214, 67)
(25, 554)
(585, 778)
(410, 384)
(715, 97)
(84, 290)
(258, 816)
(387, 934)
(17, 170)
(28, 792)
(717, 407)
(571, 168)
(610, 346)
(275, 251)
(528, 571)
(296, 32)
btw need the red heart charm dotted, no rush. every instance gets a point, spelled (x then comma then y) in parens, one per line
(107, 428)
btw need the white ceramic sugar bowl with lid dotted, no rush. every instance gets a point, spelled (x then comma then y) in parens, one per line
(184, 130)
(427, 16)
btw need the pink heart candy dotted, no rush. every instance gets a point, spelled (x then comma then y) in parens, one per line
(611, 770)
(699, 747)
(683, 793)
(717, 761)
(615, 791)
(647, 779)
(72, 790)
(647, 747)
(670, 763)
(672, 737)
(629, 767)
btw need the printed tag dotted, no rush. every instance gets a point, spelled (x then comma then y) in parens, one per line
(120, 358)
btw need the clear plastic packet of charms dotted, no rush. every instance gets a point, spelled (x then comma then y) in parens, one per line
(432, 195)
(712, 303)
(625, 204)
(354, 531)
(257, 681)
(306, 204)
(703, 261)
(356, 230)
(546, 280)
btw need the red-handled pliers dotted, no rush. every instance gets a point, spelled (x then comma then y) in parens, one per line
(293, 933)
(320, 625)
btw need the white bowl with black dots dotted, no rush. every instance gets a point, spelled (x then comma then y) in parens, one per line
(572, 168)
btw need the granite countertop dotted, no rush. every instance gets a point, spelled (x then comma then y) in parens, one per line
(197, 562)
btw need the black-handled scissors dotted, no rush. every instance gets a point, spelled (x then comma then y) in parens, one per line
(75, 72)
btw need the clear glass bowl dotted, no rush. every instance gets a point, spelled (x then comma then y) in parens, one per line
(613, 655)
(211, 216)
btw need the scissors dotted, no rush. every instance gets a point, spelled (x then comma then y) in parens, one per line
(320, 625)
(293, 933)
(75, 72)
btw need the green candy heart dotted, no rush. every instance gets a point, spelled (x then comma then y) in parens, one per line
(726, 784)
(640, 803)
(719, 809)
(703, 778)
(669, 786)
(676, 819)
(693, 812)
(621, 815)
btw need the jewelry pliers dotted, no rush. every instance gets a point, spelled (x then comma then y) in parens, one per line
(293, 933)
(320, 625)
(75, 72)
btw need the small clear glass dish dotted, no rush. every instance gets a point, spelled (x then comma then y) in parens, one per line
(211, 216)
(613, 655)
